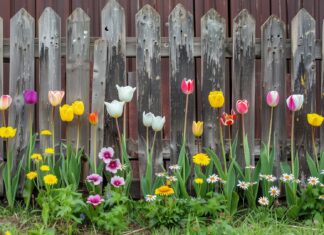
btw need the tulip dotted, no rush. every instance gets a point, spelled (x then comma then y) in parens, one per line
(125, 93)
(66, 113)
(228, 119)
(272, 98)
(216, 99)
(78, 107)
(197, 128)
(158, 123)
(295, 102)
(242, 106)
(314, 119)
(55, 97)
(93, 118)
(115, 108)
(5, 102)
(187, 86)
(148, 119)
(30, 96)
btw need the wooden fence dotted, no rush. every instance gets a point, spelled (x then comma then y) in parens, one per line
(95, 65)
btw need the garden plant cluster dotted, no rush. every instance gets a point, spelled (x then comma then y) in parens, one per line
(201, 194)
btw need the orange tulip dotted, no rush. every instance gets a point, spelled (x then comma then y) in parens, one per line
(55, 97)
(93, 118)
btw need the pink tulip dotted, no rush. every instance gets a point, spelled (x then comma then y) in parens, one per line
(295, 102)
(5, 102)
(273, 98)
(55, 97)
(95, 200)
(188, 86)
(242, 106)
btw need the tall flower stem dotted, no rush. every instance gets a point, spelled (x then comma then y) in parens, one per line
(147, 140)
(78, 136)
(292, 142)
(230, 144)
(4, 117)
(120, 139)
(152, 149)
(314, 147)
(243, 129)
(185, 120)
(53, 133)
(95, 148)
(270, 130)
(222, 145)
(30, 137)
(8, 190)
(124, 120)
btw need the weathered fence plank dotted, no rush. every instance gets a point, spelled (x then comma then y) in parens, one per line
(303, 78)
(322, 91)
(78, 72)
(213, 30)
(181, 67)
(49, 26)
(273, 70)
(148, 63)
(22, 71)
(1, 91)
(243, 81)
(113, 30)
(98, 95)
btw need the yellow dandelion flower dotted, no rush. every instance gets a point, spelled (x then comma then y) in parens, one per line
(31, 175)
(7, 232)
(201, 159)
(36, 156)
(164, 190)
(7, 132)
(44, 168)
(49, 151)
(50, 179)
(46, 132)
(199, 180)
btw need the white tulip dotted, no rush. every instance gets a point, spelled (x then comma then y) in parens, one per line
(115, 108)
(158, 123)
(295, 102)
(125, 93)
(148, 119)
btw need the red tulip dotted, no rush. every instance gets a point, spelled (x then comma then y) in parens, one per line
(242, 106)
(188, 86)
(93, 118)
(228, 119)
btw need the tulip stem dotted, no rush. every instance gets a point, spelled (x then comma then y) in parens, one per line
(154, 137)
(8, 190)
(95, 148)
(292, 142)
(147, 140)
(4, 117)
(222, 143)
(185, 121)
(78, 136)
(314, 148)
(230, 143)
(124, 120)
(120, 140)
(270, 130)
(30, 137)
(53, 133)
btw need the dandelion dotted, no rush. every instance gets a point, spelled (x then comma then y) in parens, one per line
(321, 197)
(212, 179)
(313, 180)
(164, 190)
(49, 151)
(36, 157)
(263, 201)
(274, 191)
(50, 179)
(31, 175)
(7, 232)
(150, 198)
(287, 177)
(199, 180)
(44, 168)
(46, 132)
(160, 174)
(243, 185)
(7, 132)
(171, 178)
(95, 200)
(270, 178)
(174, 167)
(117, 181)
(201, 159)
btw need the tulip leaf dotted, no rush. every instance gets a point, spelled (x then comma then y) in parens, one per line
(312, 166)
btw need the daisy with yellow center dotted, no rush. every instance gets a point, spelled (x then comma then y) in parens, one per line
(286, 178)
(274, 191)
(243, 185)
(49, 151)
(201, 159)
(199, 180)
(164, 190)
(212, 178)
(150, 198)
(270, 178)
(44, 168)
(321, 197)
(50, 179)
(313, 180)
(263, 201)
(171, 178)
(36, 156)
(46, 132)
(31, 175)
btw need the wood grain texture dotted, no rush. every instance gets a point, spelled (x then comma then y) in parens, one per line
(49, 27)
(243, 80)
(303, 79)
(148, 64)
(213, 30)
(1, 91)
(78, 72)
(181, 67)
(273, 74)
(98, 95)
(322, 91)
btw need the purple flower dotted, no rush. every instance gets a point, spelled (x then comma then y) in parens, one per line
(30, 97)
(106, 154)
(95, 200)
(117, 181)
(94, 178)
(113, 166)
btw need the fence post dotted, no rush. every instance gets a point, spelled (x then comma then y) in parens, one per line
(303, 79)
(181, 67)
(1, 91)
(148, 62)
(243, 81)
(273, 74)
(49, 25)
(322, 92)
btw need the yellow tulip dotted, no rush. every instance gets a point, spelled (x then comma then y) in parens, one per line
(197, 128)
(78, 107)
(314, 119)
(216, 99)
(66, 113)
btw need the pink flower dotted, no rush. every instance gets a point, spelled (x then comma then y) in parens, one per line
(113, 165)
(5, 102)
(242, 106)
(106, 154)
(273, 98)
(295, 102)
(94, 178)
(187, 86)
(117, 181)
(95, 200)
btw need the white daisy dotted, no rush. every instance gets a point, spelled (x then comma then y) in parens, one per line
(261, 176)
(321, 197)
(171, 178)
(274, 191)
(252, 183)
(287, 177)
(263, 201)
(212, 179)
(297, 181)
(160, 174)
(250, 167)
(174, 167)
(150, 198)
(243, 185)
(313, 180)
(270, 178)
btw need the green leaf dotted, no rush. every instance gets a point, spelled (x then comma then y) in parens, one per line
(311, 165)
(217, 163)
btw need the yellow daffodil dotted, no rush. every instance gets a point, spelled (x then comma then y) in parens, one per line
(66, 113)
(216, 99)
(50, 179)
(197, 128)
(314, 119)
(49, 151)
(78, 107)
(44, 168)
(31, 175)
(7, 132)
(199, 180)
(36, 156)
(164, 190)
(201, 159)
(46, 132)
